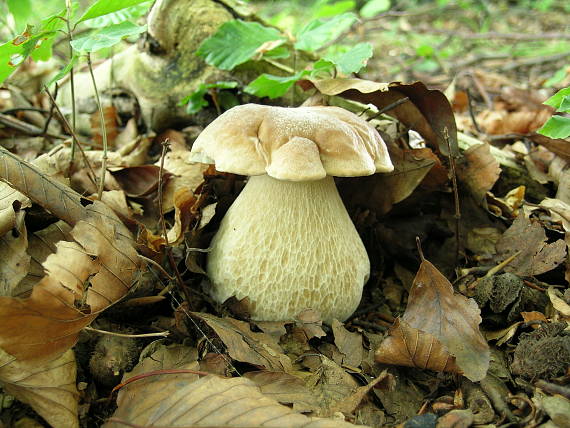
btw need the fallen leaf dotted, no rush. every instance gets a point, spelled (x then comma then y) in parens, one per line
(480, 171)
(426, 111)
(309, 321)
(436, 314)
(536, 256)
(184, 201)
(140, 181)
(10, 202)
(349, 343)
(49, 388)
(162, 400)
(244, 345)
(408, 346)
(15, 261)
(286, 389)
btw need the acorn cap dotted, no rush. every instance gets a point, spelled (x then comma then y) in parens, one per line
(294, 144)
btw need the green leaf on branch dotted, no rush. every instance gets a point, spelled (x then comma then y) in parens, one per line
(374, 7)
(22, 12)
(556, 100)
(564, 106)
(196, 101)
(65, 70)
(353, 60)
(556, 127)
(319, 32)
(237, 41)
(127, 14)
(268, 85)
(106, 37)
(35, 41)
(104, 7)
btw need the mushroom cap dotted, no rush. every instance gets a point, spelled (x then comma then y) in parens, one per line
(294, 144)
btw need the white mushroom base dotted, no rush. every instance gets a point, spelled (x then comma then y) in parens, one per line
(289, 246)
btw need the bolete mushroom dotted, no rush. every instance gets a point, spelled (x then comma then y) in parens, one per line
(287, 241)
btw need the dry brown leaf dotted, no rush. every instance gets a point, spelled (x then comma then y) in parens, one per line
(185, 174)
(480, 171)
(165, 400)
(83, 277)
(15, 262)
(436, 314)
(536, 256)
(501, 122)
(40, 245)
(380, 191)
(310, 322)
(560, 211)
(111, 126)
(427, 111)
(184, 201)
(408, 346)
(11, 201)
(139, 181)
(285, 388)
(48, 388)
(244, 345)
(349, 343)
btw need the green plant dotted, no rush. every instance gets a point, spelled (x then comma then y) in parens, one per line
(558, 126)
(237, 42)
(106, 18)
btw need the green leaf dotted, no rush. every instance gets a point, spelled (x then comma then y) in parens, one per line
(425, 50)
(104, 7)
(236, 42)
(556, 127)
(353, 60)
(556, 78)
(564, 105)
(323, 69)
(319, 32)
(106, 37)
(22, 12)
(127, 14)
(556, 99)
(268, 85)
(8, 57)
(63, 72)
(374, 7)
(327, 10)
(196, 101)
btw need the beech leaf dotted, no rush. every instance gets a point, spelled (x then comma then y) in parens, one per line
(437, 317)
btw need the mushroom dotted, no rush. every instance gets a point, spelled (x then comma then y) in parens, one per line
(287, 241)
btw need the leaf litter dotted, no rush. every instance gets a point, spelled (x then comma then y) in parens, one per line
(513, 251)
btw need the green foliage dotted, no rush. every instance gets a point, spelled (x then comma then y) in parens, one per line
(374, 7)
(558, 126)
(22, 12)
(104, 7)
(196, 101)
(127, 14)
(37, 40)
(236, 42)
(106, 37)
(319, 32)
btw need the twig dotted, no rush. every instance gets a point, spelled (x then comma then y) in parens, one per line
(134, 336)
(25, 127)
(534, 61)
(471, 113)
(156, 265)
(72, 82)
(455, 193)
(103, 130)
(73, 134)
(280, 66)
(389, 107)
(495, 35)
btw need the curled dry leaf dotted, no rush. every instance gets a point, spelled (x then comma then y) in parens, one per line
(426, 111)
(480, 171)
(349, 343)
(49, 388)
(435, 312)
(528, 238)
(163, 400)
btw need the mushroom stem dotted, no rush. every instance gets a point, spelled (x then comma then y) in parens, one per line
(289, 246)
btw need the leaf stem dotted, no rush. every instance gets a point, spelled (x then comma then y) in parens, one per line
(72, 82)
(103, 130)
(280, 66)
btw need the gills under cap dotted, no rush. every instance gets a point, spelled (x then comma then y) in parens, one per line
(294, 144)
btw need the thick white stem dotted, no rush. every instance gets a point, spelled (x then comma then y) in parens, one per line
(289, 246)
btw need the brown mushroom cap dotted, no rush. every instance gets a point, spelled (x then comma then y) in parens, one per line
(295, 144)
